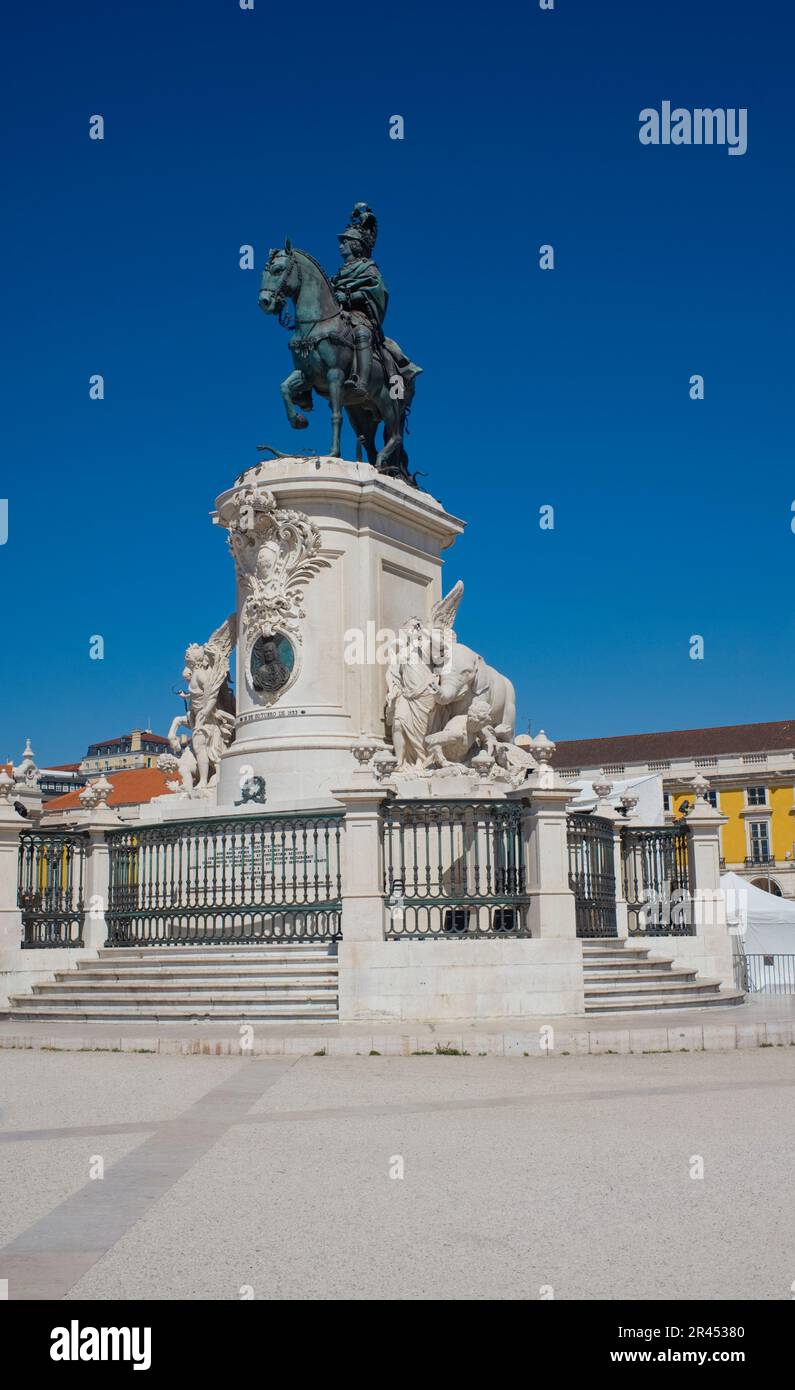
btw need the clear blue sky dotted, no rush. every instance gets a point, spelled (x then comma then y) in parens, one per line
(568, 388)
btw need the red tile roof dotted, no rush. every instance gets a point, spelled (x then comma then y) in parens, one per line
(145, 734)
(131, 788)
(677, 743)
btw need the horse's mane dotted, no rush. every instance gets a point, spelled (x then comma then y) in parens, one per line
(297, 251)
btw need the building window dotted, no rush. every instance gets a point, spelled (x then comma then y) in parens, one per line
(760, 842)
(712, 798)
(666, 801)
(757, 796)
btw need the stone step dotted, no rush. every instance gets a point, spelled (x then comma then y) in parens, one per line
(199, 975)
(605, 977)
(649, 1004)
(625, 962)
(613, 943)
(63, 986)
(245, 993)
(639, 987)
(286, 980)
(285, 1013)
(591, 952)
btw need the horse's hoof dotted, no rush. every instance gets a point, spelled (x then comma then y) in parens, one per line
(300, 423)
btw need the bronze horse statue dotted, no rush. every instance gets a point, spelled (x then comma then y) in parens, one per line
(323, 353)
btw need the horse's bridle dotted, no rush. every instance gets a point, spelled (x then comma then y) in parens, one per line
(279, 295)
(279, 298)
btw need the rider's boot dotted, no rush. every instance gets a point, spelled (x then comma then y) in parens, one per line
(359, 381)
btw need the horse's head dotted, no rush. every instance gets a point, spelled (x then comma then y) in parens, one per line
(280, 280)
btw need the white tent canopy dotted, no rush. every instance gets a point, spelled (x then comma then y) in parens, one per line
(648, 790)
(766, 922)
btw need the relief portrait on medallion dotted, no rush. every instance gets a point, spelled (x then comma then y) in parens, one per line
(272, 662)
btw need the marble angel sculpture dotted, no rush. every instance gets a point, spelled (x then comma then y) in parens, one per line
(210, 716)
(411, 689)
(445, 704)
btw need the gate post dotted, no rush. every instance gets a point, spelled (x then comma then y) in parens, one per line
(95, 930)
(703, 826)
(11, 825)
(362, 859)
(360, 953)
(98, 818)
(551, 910)
(711, 942)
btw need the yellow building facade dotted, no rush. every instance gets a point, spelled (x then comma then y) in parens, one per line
(750, 769)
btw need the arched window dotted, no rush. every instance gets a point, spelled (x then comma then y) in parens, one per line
(769, 885)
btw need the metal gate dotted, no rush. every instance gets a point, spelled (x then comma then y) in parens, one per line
(657, 880)
(592, 876)
(50, 891)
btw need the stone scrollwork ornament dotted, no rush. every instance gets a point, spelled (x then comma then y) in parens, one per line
(276, 550)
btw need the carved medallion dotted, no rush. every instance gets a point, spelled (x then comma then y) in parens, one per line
(276, 552)
(271, 665)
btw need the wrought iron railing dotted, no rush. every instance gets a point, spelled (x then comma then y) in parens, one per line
(765, 974)
(656, 873)
(454, 870)
(51, 887)
(243, 879)
(592, 874)
(762, 858)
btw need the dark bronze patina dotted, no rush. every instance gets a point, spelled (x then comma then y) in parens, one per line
(338, 346)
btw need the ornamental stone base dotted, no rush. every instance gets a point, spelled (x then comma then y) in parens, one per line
(331, 557)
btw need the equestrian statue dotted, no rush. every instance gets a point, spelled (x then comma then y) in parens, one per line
(338, 345)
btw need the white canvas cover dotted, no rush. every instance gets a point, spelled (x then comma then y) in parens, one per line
(648, 790)
(766, 928)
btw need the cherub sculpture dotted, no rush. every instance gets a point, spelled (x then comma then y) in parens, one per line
(459, 737)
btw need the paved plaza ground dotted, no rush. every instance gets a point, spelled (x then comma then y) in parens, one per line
(228, 1177)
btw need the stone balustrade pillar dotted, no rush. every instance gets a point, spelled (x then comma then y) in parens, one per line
(97, 817)
(703, 831)
(362, 858)
(97, 887)
(11, 824)
(551, 910)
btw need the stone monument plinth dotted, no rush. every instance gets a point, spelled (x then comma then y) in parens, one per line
(331, 558)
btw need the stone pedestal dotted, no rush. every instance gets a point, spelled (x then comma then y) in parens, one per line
(552, 908)
(711, 948)
(96, 822)
(332, 586)
(11, 825)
